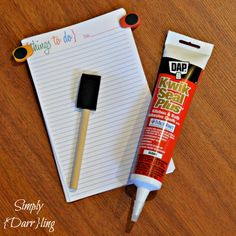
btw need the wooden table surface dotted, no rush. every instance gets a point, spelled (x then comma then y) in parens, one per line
(198, 199)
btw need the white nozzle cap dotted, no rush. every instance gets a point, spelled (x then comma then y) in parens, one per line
(141, 197)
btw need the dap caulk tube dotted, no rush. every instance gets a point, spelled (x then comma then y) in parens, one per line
(183, 61)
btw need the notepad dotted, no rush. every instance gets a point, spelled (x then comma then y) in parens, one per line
(98, 46)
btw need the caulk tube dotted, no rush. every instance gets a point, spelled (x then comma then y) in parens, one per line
(183, 61)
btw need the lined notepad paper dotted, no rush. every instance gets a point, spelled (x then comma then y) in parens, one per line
(102, 47)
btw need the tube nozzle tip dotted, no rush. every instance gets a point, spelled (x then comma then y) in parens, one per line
(141, 196)
(134, 218)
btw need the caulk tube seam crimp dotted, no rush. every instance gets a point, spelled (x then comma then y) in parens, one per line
(183, 60)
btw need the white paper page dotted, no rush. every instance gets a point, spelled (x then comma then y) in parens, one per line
(102, 47)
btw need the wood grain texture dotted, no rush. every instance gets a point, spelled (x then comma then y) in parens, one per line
(198, 199)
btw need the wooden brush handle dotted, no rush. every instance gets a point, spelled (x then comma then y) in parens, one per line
(80, 148)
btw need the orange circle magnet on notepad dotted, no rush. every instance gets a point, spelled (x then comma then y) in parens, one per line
(130, 20)
(21, 53)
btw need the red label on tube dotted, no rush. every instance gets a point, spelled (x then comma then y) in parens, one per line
(182, 63)
(171, 99)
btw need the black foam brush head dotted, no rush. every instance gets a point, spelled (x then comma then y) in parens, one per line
(88, 91)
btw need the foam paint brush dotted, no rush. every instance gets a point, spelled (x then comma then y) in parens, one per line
(87, 101)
